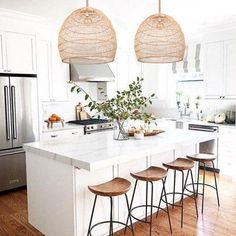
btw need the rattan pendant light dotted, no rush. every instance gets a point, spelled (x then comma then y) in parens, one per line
(87, 37)
(159, 39)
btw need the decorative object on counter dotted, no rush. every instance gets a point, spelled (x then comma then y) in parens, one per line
(80, 113)
(230, 117)
(178, 98)
(87, 37)
(220, 118)
(159, 39)
(127, 104)
(198, 101)
(54, 118)
(210, 119)
(146, 133)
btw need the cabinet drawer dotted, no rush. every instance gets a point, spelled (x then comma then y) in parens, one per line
(62, 134)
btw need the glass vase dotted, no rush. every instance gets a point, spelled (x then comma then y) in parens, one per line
(120, 132)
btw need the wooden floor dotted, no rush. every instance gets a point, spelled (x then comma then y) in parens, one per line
(214, 221)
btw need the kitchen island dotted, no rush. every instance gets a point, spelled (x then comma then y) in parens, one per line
(58, 173)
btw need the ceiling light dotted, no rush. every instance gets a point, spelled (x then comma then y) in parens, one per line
(159, 39)
(87, 37)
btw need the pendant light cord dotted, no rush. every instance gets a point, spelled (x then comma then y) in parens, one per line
(87, 3)
(159, 7)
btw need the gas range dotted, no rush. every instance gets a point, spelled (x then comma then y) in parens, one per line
(93, 125)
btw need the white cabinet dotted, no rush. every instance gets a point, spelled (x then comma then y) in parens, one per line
(2, 55)
(214, 69)
(53, 75)
(54, 135)
(227, 151)
(220, 69)
(150, 76)
(230, 68)
(17, 53)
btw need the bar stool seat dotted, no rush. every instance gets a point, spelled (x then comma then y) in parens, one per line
(202, 157)
(149, 175)
(153, 173)
(179, 164)
(115, 187)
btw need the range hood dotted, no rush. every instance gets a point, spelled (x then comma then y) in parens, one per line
(91, 73)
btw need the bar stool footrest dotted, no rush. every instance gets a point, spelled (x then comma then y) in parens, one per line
(176, 193)
(143, 206)
(190, 191)
(108, 222)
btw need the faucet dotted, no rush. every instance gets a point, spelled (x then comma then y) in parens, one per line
(186, 112)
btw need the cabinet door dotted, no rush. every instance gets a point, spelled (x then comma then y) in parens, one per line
(44, 69)
(150, 76)
(20, 51)
(60, 76)
(230, 68)
(214, 69)
(2, 53)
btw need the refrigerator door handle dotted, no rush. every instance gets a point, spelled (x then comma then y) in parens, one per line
(7, 112)
(13, 105)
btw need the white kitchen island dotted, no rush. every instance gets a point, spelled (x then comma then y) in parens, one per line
(58, 173)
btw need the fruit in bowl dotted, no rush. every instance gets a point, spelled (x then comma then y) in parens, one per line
(54, 118)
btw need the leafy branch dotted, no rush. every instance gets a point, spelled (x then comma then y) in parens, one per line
(127, 104)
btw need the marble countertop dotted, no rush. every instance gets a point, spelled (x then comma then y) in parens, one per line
(99, 150)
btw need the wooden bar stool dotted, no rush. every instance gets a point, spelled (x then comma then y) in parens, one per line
(204, 158)
(181, 165)
(149, 176)
(113, 188)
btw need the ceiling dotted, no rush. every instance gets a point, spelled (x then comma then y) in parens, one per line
(126, 15)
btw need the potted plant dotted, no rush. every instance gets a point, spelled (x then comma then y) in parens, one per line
(126, 105)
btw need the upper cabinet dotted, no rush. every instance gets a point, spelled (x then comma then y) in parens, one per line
(230, 69)
(220, 69)
(53, 75)
(214, 69)
(17, 53)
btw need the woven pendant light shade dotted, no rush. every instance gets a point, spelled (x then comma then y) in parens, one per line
(87, 37)
(159, 39)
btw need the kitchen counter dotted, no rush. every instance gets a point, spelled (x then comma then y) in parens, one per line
(59, 172)
(99, 150)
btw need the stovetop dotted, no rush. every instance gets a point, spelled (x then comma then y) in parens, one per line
(89, 121)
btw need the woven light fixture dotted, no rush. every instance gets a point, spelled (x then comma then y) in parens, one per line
(87, 37)
(159, 39)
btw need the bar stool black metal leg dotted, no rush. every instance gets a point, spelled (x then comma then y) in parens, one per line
(90, 222)
(159, 204)
(186, 179)
(146, 201)
(182, 200)
(203, 185)
(151, 208)
(131, 203)
(129, 215)
(173, 201)
(167, 208)
(217, 193)
(194, 192)
(111, 217)
(198, 174)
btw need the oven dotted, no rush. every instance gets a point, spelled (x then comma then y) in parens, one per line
(211, 146)
(93, 125)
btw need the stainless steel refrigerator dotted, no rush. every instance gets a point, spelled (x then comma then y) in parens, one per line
(18, 125)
